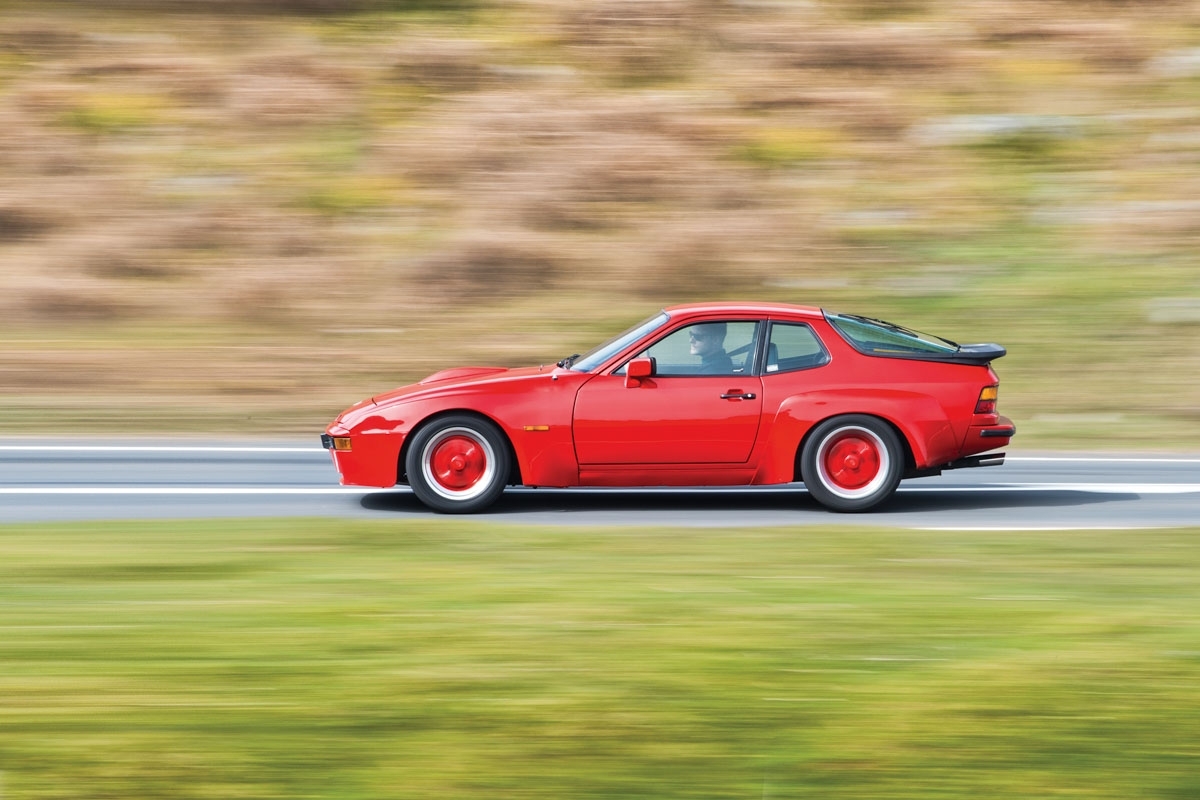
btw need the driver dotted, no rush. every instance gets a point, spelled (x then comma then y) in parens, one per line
(708, 342)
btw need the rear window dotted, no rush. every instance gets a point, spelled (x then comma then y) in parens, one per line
(875, 337)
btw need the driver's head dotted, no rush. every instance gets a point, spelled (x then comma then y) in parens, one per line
(707, 338)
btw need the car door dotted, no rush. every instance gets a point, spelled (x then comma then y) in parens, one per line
(701, 406)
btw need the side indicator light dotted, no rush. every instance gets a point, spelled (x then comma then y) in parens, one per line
(987, 400)
(537, 427)
(341, 443)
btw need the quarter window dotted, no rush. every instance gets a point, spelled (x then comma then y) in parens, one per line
(793, 347)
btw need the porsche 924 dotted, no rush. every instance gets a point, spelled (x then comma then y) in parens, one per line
(710, 394)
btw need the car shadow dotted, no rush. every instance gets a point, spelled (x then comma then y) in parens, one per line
(532, 501)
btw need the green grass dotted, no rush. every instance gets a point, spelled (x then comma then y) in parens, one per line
(447, 659)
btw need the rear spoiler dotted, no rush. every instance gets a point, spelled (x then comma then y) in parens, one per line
(977, 354)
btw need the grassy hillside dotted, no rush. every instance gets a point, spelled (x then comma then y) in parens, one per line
(441, 659)
(247, 217)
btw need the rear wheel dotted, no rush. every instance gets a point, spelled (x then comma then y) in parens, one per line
(458, 464)
(852, 463)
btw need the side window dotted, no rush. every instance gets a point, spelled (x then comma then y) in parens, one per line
(793, 347)
(707, 348)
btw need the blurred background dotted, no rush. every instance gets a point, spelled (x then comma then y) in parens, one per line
(244, 216)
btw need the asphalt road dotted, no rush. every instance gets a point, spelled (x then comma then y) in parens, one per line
(61, 479)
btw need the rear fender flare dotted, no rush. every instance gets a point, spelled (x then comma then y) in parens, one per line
(916, 418)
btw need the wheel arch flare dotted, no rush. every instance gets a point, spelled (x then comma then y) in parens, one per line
(510, 453)
(910, 465)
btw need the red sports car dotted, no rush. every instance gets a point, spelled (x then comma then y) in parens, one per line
(730, 394)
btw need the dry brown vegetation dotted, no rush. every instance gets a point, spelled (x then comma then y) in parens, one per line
(248, 217)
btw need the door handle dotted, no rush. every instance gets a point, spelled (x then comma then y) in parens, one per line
(736, 395)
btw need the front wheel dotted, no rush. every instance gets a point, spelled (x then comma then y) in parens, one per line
(458, 464)
(852, 463)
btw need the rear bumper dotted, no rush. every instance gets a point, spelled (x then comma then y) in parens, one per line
(989, 437)
(980, 438)
(998, 433)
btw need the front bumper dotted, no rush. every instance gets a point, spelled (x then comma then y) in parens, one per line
(335, 442)
(365, 459)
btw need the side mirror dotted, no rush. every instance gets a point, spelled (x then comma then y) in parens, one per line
(638, 369)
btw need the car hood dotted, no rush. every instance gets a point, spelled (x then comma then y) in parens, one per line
(452, 381)
(459, 373)
(462, 380)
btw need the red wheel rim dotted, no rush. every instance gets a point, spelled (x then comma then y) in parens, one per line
(853, 462)
(458, 462)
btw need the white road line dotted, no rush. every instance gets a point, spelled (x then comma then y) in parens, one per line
(1041, 528)
(1101, 460)
(184, 490)
(1094, 488)
(71, 448)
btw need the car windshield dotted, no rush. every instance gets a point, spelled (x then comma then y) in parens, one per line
(876, 337)
(594, 358)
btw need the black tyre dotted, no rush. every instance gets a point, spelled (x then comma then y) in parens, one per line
(458, 464)
(852, 463)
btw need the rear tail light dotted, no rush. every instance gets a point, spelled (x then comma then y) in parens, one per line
(987, 400)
